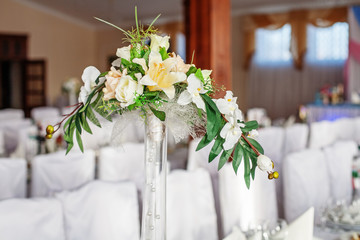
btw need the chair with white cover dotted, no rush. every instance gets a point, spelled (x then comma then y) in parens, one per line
(57, 172)
(296, 138)
(339, 158)
(28, 145)
(40, 113)
(357, 130)
(243, 207)
(200, 159)
(31, 219)
(11, 114)
(12, 130)
(101, 210)
(322, 134)
(13, 173)
(2, 143)
(345, 128)
(123, 163)
(190, 206)
(306, 183)
(272, 140)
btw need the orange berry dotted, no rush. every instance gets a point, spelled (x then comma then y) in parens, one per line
(270, 176)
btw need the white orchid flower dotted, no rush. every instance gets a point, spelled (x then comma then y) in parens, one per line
(124, 52)
(158, 41)
(228, 106)
(192, 93)
(253, 134)
(264, 163)
(141, 62)
(231, 132)
(89, 77)
(160, 75)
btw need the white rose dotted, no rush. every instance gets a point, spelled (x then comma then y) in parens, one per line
(124, 52)
(158, 41)
(125, 90)
(264, 163)
(89, 77)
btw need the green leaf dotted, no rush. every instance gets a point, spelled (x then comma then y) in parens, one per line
(217, 148)
(101, 111)
(191, 70)
(199, 75)
(100, 76)
(253, 166)
(163, 53)
(67, 122)
(85, 124)
(224, 158)
(78, 123)
(84, 107)
(91, 116)
(247, 169)
(159, 114)
(79, 141)
(69, 147)
(146, 56)
(238, 155)
(203, 142)
(214, 119)
(250, 125)
(256, 145)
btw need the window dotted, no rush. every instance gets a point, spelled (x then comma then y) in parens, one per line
(273, 46)
(328, 45)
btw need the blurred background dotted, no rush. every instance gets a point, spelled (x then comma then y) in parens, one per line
(294, 66)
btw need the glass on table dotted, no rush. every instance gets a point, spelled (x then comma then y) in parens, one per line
(276, 231)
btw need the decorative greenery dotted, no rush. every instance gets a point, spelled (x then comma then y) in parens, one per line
(147, 78)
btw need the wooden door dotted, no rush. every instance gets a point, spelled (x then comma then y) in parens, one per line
(34, 84)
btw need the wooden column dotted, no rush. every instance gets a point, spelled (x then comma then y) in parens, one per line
(208, 37)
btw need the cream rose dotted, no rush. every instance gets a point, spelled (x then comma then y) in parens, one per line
(126, 89)
(264, 163)
(158, 41)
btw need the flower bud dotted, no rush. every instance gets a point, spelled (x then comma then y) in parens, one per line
(264, 163)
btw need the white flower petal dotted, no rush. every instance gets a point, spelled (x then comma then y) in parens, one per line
(90, 74)
(154, 57)
(147, 81)
(199, 102)
(116, 63)
(159, 41)
(170, 92)
(232, 137)
(225, 130)
(206, 73)
(178, 76)
(124, 52)
(141, 62)
(193, 83)
(223, 106)
(184, 98)
(264, 163)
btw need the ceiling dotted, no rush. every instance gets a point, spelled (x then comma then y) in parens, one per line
(121, 12)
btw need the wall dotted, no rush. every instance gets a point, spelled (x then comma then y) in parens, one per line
(67, 47)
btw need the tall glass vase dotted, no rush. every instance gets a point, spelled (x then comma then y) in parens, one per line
(154, 195)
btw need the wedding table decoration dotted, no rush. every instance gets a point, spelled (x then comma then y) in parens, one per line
(148, 82)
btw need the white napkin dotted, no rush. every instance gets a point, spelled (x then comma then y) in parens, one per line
(302, 228)
(236, 235)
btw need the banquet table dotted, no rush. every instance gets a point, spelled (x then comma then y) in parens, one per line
(319, 112)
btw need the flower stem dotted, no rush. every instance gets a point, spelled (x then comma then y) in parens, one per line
(252, 147)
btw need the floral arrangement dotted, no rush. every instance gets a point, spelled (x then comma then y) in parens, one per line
(147, 79)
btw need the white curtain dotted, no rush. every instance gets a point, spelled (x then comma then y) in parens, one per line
(282, 89)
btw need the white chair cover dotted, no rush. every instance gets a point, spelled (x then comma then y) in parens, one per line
(322, 134)
(31, 219)
(12, 130)
(123, 163)
(13, 173)
(28, 145)
(101, 210)
(296, 138)
(339, 158)
(306, 183)
(345, 128)
(2, 143)
(190, 206)
(200, 159)
(246, 207)
(357, 130)
(272, 141)
(57, 172)
(40, 113)
(11, 114)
